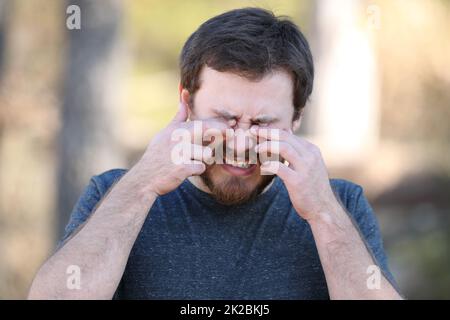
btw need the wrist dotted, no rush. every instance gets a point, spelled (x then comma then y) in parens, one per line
(325, 213)
(332, 221)
(138, 184)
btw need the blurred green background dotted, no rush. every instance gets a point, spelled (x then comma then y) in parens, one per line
(74, 103)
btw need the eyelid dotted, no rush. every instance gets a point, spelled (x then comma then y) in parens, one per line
(227, 117)
(262, 122)
(221, 118)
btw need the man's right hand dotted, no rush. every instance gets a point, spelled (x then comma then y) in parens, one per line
(101, 245)
(157, 172)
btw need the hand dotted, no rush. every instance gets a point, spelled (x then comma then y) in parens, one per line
(157, 169)
(305, 177)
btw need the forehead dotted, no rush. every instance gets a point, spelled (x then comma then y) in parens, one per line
(272, 94)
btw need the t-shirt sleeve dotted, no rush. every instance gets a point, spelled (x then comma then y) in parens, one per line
(367, 223)
(90, 198)
(87, 203)
(82, 210)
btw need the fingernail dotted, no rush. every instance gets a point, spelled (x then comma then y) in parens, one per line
(207, 153)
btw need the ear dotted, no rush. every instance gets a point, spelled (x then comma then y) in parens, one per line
(185, 97)
(296, 123)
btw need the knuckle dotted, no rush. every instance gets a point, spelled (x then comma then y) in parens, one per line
(281, 134)
(287, 149)
(180, 169)
(195, 168)
(207, 152)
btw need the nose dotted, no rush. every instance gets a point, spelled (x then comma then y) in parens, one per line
(240, 142)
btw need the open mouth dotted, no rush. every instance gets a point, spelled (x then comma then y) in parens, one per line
(238, 167)
(238, 163)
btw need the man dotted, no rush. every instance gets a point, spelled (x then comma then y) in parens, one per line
(198, 229)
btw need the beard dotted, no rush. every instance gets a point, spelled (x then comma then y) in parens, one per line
(233, 190)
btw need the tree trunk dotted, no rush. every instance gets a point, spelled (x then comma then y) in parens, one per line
(89, 118)
(343, 116)
(3, 15)
(5, 7)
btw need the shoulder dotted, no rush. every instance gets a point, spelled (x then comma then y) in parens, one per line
(349, 193)
(353, 198)
(105, 180)
(342, 186)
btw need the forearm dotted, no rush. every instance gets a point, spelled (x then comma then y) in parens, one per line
(345, 258)
(100, 249)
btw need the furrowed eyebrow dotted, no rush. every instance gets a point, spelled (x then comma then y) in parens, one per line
(225, 114)
(264, 119)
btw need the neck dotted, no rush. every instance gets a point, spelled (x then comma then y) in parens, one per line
(199, 184)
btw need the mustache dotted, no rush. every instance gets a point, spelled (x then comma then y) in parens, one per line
(222, 153)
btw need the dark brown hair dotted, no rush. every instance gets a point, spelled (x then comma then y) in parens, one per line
(250, 42)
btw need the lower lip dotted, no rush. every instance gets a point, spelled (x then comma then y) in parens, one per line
(235, 171)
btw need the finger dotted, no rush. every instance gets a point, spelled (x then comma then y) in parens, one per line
(182, 114)
(202, 130)
(184, 152)
(299, 144)
(201, 153)
(267, 133)
(214, 138)
(272, 134)
(278, 168)
(208, 124)
(241, 140)
(281, 148)
(195, 167)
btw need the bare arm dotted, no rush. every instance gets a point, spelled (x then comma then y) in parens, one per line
(343, 254)
(100, 249)
(345, 258)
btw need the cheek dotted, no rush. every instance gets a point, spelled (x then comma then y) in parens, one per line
(285, 126)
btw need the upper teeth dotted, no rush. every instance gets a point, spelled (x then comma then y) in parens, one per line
(240, 164)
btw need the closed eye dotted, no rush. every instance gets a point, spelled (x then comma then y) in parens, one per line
(261, 123)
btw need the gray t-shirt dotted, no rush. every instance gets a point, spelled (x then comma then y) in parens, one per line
(191, 247)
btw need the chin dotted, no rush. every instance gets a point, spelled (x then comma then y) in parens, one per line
(234, 185)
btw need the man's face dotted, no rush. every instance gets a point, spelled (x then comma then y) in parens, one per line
(241, 103)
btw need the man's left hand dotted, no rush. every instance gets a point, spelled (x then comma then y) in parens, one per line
(305, 177)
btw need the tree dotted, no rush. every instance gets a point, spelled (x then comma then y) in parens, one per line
(3, 16)
(5, 6)
(344, 111)
(89, 117)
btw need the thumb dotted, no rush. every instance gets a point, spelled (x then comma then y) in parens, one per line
(182, 113)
